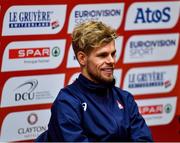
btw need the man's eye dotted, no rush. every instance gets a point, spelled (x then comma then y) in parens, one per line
(113, 54)
(102, 55)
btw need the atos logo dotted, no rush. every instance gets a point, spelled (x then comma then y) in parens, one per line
(146, 48)
(152, 15)
(25, 90)
(149, 16)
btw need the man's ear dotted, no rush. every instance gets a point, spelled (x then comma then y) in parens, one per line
(82, 58)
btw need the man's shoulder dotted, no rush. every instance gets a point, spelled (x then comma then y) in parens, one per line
(122, 91)
(71, 88)
(69, 92)
(124, 94)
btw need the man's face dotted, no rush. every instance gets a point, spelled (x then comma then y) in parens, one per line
(100, 64)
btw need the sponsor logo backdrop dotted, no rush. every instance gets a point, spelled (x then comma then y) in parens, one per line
(37, 60)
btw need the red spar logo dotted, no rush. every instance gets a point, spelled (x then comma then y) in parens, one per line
(29, 53)
(153, 109)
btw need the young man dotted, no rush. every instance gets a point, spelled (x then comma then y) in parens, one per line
(92, 108)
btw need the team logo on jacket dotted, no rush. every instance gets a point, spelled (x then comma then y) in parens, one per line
(119, 105)
(84, 105)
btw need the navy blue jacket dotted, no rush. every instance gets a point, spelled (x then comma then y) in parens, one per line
(85, 111)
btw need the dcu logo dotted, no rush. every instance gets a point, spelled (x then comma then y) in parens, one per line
(28, 92)
(152, 15)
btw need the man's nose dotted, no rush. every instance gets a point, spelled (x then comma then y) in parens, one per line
(111, 59)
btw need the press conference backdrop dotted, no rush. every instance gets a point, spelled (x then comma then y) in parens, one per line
(37, 60)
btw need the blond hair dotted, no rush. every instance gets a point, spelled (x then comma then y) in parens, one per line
(90, 35)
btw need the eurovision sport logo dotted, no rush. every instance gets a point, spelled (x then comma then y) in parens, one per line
(109, 13)
(33, 55)
(146, 48)
(34, 19)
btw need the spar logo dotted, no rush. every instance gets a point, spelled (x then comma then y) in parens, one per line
(29, 53)
(33, 52)
(153, 109)
(152, 15)
(157, 111)
(109, 13)
(34, 19)
(151, 79)
(27, 125)
(146, 48)
(33, 55)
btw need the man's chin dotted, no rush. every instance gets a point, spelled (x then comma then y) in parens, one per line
(107, 79)
(103, 78)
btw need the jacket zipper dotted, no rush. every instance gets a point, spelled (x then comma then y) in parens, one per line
(114, 119)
